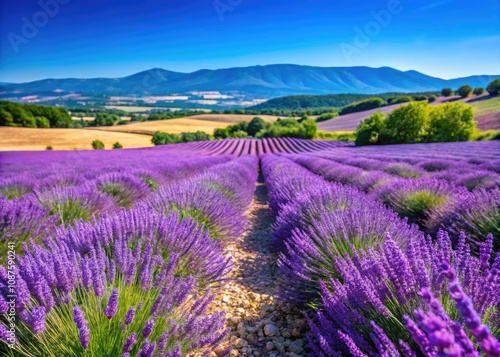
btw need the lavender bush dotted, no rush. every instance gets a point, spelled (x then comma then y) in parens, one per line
(383, 285)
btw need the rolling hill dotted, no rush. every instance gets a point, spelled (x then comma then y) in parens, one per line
(265, 81)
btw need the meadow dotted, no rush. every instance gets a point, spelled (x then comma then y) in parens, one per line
(249, 247)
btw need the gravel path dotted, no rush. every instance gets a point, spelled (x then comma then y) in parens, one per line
(261, 325)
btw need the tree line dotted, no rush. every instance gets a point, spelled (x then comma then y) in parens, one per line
(33, 116)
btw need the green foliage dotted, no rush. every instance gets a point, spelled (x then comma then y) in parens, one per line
(487, 135)
(408, 124)
(160, 138)
(494, 87)
(446, 92)
(478, 91)
(417, 205)
(42, 122)
(419, 97)
(197, 136)
(291, 128)
(451, 122)
(97, 145)
(117, 145)
(464, 91)
(431, 98)
(326, 116)
(104, 119)
(256, 124)
(403, 99)
(6, 118)
(368, 131)
(363, 105)
(222, 133)
(420, 122)
(33, 115)
(339, 135)
(49, 147)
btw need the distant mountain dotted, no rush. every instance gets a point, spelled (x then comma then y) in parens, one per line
(266, 81)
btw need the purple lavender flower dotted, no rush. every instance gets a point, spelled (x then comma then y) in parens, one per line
(37, 319)
(129, 342)
(112, 306)
(124, 189)
(148, 328)
(82, 326)
(129, 317)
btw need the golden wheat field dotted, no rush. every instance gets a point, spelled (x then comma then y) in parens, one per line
(12, 139)
(172, 126)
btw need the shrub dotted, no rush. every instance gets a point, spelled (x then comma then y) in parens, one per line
(42, 122)
(363, 105)
(494, 87)
(49, 147)
(402, 99)
(390, 286)
(329, 224)
(431, 98)
(409, 123)
(478, 91)
(75, 203)
(451, 122)
(117, 145)
(367, 133)
(97, 145)
(326, 116)
(418, 199)
(196, 136)
(446, 92)
(256, 124)
(124, 189)
(160, 138)
(464, 91)
(477, 215)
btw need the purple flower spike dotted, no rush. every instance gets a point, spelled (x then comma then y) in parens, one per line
(129, 343)
(82, 325)
(148, 328)
(112, 306)
(129, 317)
(37, 319)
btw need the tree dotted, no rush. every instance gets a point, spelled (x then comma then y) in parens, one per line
(42, 122)
(97, 145)
(478, 91)
(431, 98)
(308, 129)
(409, 123)
(255, 125)
(49, 147)
(446, 92)
(105, 119)
(6, 118)
(117, 145)
(221, 133)
(494, 87)
(197, 136)
(451, 122)
(160, 138)
(368, 131)
(465, 91)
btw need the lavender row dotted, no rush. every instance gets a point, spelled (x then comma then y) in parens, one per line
(454, 170)
(370, 276)
(432, 204)
(135, 282)
(31, 205)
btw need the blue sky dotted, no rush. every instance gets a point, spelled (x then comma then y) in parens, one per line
(99, 38)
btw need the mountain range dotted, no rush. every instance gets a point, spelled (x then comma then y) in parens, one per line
(265, 81)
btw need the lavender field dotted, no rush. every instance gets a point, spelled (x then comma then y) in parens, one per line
(247, 247)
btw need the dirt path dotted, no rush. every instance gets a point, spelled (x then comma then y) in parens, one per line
(262, 326)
